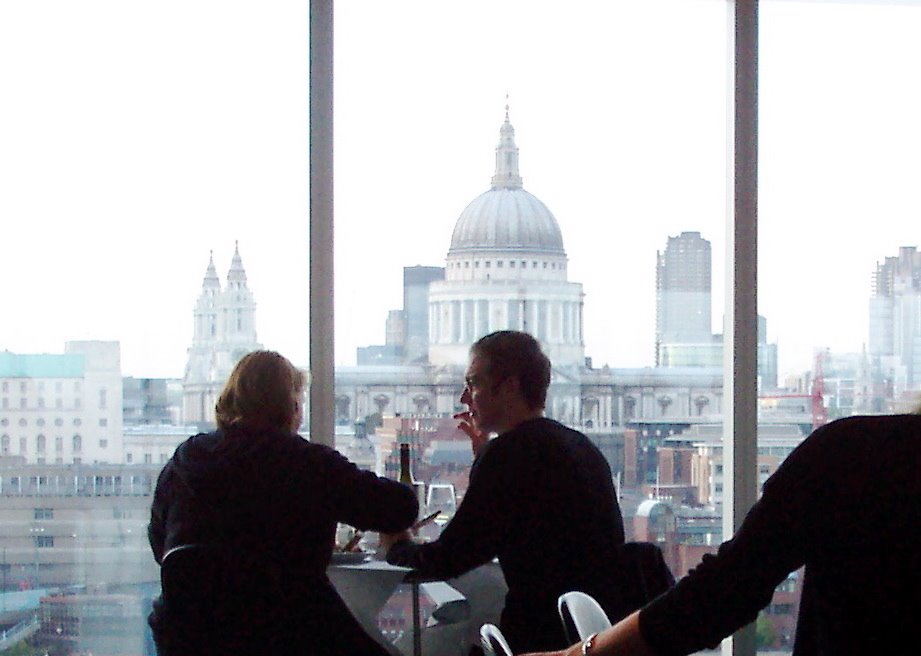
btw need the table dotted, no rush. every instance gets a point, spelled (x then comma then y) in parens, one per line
(468, 602)
(365, 588)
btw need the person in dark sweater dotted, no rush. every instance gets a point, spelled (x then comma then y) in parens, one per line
(255, 487)
(540, 498)
(846, 504)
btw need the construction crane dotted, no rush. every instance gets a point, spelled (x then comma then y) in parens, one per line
(816, 397)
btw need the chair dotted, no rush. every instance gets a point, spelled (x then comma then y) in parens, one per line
(216, 600)
(581, 615)
(493, 641)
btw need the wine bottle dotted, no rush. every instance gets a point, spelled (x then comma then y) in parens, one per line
(407, 478)
(406, 468)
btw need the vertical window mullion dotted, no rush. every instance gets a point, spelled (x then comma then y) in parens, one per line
(740, 423)
(322, 325)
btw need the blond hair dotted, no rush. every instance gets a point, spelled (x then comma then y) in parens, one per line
(263, 391)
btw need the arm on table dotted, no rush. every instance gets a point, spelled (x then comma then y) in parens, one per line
(367, 501)
(471, 538)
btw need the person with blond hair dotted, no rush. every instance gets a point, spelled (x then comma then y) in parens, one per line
(254, 486)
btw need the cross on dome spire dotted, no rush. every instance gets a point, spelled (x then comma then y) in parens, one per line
(507, 176)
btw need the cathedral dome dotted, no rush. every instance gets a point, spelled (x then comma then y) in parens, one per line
(507, 218)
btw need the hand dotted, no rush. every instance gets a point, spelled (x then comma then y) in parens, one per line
(390, 539)
(468, 425)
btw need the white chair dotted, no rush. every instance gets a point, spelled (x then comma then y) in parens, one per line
(581, 615)
(493, 641)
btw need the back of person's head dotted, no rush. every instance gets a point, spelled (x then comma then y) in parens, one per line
(263, 391)
(514, 354)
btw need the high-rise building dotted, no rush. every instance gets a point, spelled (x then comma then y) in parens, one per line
(895, 323)
(416, 282)
(225, 331)
(683, 280)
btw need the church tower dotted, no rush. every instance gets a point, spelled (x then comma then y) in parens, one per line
(224, 331)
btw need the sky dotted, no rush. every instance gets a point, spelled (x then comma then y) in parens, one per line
(136, 138)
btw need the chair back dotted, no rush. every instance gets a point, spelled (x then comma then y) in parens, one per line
(581, 615)
(493, 642)
(215, 600)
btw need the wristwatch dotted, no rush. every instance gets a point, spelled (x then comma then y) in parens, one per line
(588, 643)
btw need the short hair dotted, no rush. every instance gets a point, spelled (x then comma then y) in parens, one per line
(260, 392)
(514, 354)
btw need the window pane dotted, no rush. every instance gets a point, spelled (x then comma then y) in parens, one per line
(838, 165)
(607, 123)
(140, 142)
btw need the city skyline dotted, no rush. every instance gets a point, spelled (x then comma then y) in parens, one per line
(122, 173)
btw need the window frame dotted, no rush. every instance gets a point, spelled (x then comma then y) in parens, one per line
(740, 330)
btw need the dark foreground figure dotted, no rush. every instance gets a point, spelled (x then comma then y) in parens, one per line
(847, 505)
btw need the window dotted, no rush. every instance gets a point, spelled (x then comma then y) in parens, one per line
(5, 386)
(5, 444)
(102, 399)
(23, 422)
(44, 541)
(58, 421)
(148, 458)
(44, 513)
(39, 422)
(22, 446)
(58, 444)
(76, 444)
(40, 444)
(103, 444)
(103, 422)
(129, 457)
(661, 137)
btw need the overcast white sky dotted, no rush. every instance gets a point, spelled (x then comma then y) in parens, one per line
(135, 137)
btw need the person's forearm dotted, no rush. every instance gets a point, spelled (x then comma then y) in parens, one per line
(622, 639)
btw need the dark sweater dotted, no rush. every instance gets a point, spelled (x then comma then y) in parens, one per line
(847, 504)
(540, 499)
(276, 494)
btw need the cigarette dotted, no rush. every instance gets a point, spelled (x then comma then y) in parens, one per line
(350, 545)
(425, 520)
